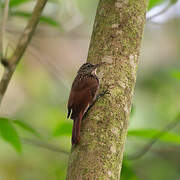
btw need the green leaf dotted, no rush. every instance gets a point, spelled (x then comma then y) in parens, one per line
(26, 127)
(44, 19)
(63, 129)
(9, 134)
(127, 172)
(133, 108)
(175, 74)
(150, 133)
(14, 3)
(153, 3)
(173, 2)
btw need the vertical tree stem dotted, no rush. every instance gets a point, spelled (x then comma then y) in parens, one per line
(116, 40)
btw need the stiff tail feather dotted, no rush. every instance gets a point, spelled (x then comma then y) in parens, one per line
(76, 130)
(73, 139)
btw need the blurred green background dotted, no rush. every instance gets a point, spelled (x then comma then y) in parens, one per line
(34, 108)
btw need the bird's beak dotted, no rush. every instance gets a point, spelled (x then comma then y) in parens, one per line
(95, 69)
(99, 64)
(96, 65)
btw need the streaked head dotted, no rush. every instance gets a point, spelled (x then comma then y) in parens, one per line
(88, 69)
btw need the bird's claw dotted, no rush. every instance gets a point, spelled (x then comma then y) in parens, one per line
(103, 93)
(106, 92)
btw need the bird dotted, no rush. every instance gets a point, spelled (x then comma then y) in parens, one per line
(83, 94)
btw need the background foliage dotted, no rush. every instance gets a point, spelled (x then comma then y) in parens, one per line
(33, 113)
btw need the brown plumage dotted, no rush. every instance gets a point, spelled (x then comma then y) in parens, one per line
(83, 93)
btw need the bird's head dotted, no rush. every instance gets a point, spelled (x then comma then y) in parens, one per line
(88, 69)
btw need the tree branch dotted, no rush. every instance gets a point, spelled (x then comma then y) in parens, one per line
(116, 40)
(3, 27)
(21, 47)
(149, 145)
(44, 145)
(166, 8)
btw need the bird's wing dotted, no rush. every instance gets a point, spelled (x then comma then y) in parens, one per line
(93, 88)
(82, 96)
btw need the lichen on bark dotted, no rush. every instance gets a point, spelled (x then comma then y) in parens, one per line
(116, 40)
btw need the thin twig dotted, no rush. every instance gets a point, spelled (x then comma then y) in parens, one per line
(44, 145)
(6, 51)
(21, 46)
(149, 145)
(3, 27)
(166, 8)
(47, 62)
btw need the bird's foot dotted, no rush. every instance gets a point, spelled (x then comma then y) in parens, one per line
(97, 98)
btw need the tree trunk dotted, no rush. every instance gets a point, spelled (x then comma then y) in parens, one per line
(116, 40)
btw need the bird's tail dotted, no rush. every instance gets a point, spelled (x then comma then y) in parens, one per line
(76, 129)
